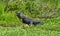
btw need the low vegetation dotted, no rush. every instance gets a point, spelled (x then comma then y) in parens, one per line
(47, 11)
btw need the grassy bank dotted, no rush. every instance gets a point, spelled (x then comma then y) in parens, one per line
(35, 9)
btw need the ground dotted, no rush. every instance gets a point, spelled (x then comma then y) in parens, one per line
(49, 28)
(10, 24)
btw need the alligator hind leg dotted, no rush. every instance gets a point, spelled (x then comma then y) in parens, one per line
(31, 23)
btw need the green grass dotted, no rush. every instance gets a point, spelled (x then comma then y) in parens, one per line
(28, 32)
(49, 28)
(10, 25)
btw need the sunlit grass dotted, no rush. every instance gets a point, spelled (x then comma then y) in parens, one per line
(49, 28)
(10, 24)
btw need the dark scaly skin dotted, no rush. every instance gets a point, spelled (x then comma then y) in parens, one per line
(27, 20)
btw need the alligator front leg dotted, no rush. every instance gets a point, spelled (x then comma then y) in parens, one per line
(31, 23)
